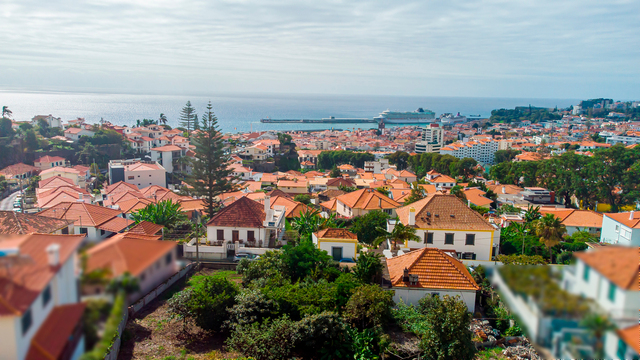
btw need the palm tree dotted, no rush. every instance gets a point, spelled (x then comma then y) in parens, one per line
(163, 119)
(532, 214)
(550, 229)
(165, 213)
(400, 233)
(6, 112)
(597, 325)
(310, 221)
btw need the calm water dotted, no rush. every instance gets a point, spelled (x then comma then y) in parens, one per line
(243, 112)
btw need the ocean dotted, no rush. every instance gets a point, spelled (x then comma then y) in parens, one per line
(242, 112)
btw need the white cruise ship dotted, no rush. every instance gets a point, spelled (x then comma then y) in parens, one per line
(420, 116)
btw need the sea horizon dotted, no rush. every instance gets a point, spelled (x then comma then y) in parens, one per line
(241, 112)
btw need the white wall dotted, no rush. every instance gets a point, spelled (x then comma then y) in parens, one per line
(611, 343)
(413, 295)
(482, 247)
(624, 235)
(349, 249)
(93, 234)
(258, 233)
(156, 273)
(145, 178)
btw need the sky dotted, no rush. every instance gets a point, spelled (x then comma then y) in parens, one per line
(493, 48)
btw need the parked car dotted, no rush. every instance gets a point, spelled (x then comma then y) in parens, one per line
(347, 260)
(248, 256)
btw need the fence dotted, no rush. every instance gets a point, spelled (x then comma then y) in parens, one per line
(140, 304)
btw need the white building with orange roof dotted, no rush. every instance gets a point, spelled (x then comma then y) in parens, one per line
(440, 181)
(78, 177)
(621, 228)
(75, 133)
(256, 152)
(168, 156)
(361, 202)
(577, 220)
(40, 316)
(47, 162)
(338, 243)
(430, 271)
(294, 186)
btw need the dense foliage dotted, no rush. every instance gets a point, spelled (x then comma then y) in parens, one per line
(166, 213)
(370, 226)
(329, 159)
(519, 114)
(444, 164)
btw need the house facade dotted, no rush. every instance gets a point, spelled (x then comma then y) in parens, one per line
(338, 243)
(361, 202)
(621, 228)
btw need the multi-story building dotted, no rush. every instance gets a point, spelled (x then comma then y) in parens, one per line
(50, 120)
(621, 228)
(626, 140)
(432, 140)
(168, 156)
(137, 172)
(483, 151)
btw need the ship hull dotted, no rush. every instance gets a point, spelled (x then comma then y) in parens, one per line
(408, 121)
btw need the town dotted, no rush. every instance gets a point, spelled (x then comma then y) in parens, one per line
(509, 237)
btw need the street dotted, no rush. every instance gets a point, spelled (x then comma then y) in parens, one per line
(7, 204)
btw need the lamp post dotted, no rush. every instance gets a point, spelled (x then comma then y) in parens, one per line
(524, 232)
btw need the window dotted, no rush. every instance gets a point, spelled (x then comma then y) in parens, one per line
(617, 228)
(428, 238)
(102, 232)
(26, 321)
(612, 292)
(388, 211)
(622, 349)
(235, 235)
(448, 239)
(142, 277)
(130, 177)
(250, 235)
(220, 235)
(46, 295)
(585, 276)
(336, 253)
(83, 230)
(168, 258)
(471, 239)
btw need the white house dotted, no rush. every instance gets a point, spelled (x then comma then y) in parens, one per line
(621, 228)
(339, 243)
(74, 133)
(440, 181)
(363, 201)
(447, 223)
(48, 162)
(430, 271)
(40, 298)
(168, 157)
(244, 224)
(577, 220)
(50, 119)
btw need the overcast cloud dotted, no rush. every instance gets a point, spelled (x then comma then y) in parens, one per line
(563, 49)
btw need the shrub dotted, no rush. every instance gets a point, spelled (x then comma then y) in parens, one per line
(251, 306)
(345, 286)
(324, 334)
(369, 306)
(447, 334)
(367, 344)
(271, 339)
(303, 298)
(179, 306)
(368, 267)
(267, 266)
(513, 331)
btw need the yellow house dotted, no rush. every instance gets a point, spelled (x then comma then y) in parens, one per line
(339, 243)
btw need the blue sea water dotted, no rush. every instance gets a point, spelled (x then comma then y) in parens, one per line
(242, 112)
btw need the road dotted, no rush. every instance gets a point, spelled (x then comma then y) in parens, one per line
(7, 204)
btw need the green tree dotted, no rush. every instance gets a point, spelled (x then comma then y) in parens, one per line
(212, 296)
(269, 340)
(165, 213)
(310, 221)
(368, 267)
(5, 128)
(369, 306)
(416, 194)
(6, 113)
(304, 259)
(447, 335)
(550, 230)
(125, 283)
(400, 234)
(458, 191)
(521, 260)
(87, 153)
(209, 174)
(466, 167)
(188, 117)
(598, 325)
(162, 119)
(335, 173)
(400, 159)
(31, 141)
(303, 198)
(368, 227)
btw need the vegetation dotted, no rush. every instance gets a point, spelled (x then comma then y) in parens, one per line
(370, 226)
(188, 117)
(520, 114)
(165, 213)
(550, 229)
(610, 176)
(110, 332)
(400, 234)
(209, 174)
(368, 267)
(303, 198)
(330, 159)
(416, 194)
(444, 164)
(521, 260)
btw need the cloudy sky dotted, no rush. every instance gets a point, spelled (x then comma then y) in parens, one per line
(495, 48)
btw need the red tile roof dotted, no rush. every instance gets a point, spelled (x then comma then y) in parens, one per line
(435, 270)
(115, 225)
(18, 223)
(243, 212)
(334, 233)
(82, 214)
(124, 253)
(167, 148)
(17, 169)
(24, 281)
(619, 264)
(625, 219)
(54, 182)
(119, 187)
(49, 159)
(146, 228)
(368, 199)
(631, 336)
(435, 210)
(577, 218)
(55, 333)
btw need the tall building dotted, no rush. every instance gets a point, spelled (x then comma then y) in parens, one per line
(483, 151)
(432, 140)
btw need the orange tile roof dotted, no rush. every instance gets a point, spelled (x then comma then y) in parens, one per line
(334, 233)
(115, 225)
(293, 208)
(131, 205)
(508, 189)
(17, 169)
(49, 159)
(341, 181)
(146, 228)
(368, 199)
(330, 205)
(435, 270)
(435, 210)
(191, 204)
(12, 222)
(149, 191)
(23, 283)
(243, 212)
(82, 214)
(54, 334)
(118, 187)
(619, 264)
(167, 148)
(631, 336)
(476, 197)
(625, 218)
(442, 179)
(400, 195)
(122, 254)
(60, 195)
(577, 218)
(55, 181)
(291, 183)
(428, 188)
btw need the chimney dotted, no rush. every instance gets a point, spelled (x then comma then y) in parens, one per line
(79, 196)
(469, 203)
(412, 217)
(53, 254)
(504, 190)
(631, 215)
(267, 204)
(379, 202)
(405, 275)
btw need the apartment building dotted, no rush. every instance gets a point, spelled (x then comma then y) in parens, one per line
(483, 151)
(432, 140)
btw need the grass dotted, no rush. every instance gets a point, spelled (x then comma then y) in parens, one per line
(490, 354)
